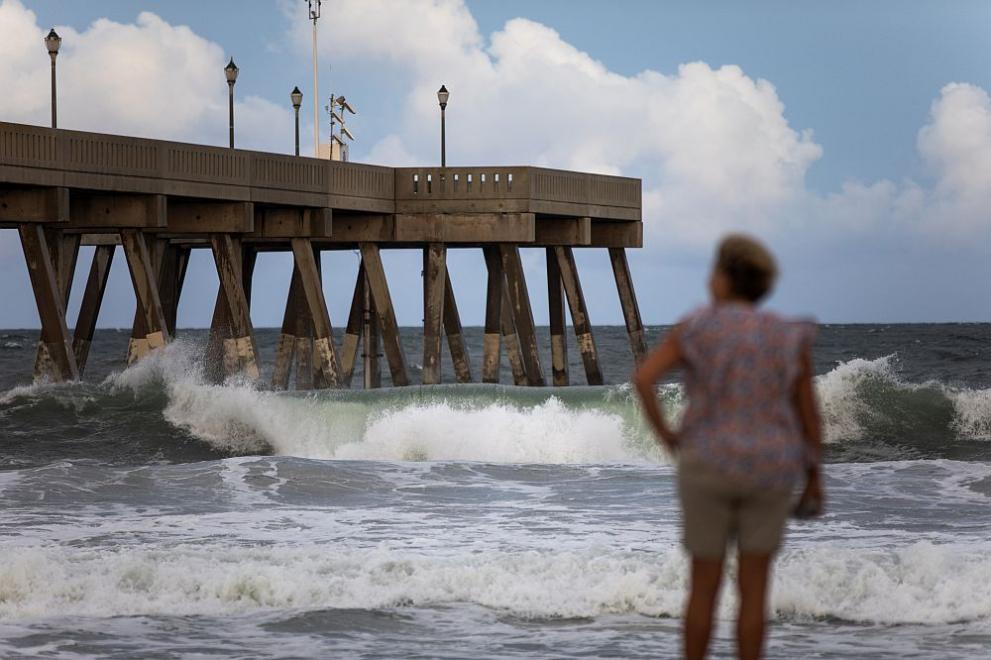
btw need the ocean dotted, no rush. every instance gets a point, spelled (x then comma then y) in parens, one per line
(149, 513)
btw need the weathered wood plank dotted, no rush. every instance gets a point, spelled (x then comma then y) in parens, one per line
(21, 205)
(89, 309)
(465, 227)
(59, 362)
(493, 315)
(455, 334)
(292, 223)
(617, 234)
(96, 211)
(579, 314)
(210, 217)
(434, 274)
(379, 288)
(563, 231)
(555, 304)
(326, 361)
(628, 301)
(519, 300)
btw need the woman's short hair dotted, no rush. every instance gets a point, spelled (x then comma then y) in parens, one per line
(749, 266)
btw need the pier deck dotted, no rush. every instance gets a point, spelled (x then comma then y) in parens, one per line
(157, 200)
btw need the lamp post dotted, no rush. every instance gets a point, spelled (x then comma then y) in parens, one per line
(296, 97)
(52, 42)
(442, 96)
(231, 72)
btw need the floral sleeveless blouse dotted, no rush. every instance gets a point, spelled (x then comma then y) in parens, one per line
(741, 367)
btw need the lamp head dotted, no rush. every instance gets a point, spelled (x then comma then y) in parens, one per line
(231, 71)
(297, 97)
(52, 42)
(442, 96)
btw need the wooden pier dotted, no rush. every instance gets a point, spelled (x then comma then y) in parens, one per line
(158, 200)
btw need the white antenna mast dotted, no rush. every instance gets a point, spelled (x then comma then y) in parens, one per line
(314, 6)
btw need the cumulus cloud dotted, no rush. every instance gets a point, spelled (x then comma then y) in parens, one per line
(147, 78)
(956, 145)
(713, 144)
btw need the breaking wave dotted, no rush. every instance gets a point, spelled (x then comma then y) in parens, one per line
(869, 413)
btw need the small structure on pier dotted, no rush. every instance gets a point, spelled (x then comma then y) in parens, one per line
(158, 200)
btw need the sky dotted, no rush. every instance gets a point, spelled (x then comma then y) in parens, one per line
(853, 137)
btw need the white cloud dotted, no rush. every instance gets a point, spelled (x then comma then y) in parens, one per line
(714, 144)
(956, 145)
(147, 78)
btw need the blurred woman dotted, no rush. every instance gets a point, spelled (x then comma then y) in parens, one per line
(750, 434)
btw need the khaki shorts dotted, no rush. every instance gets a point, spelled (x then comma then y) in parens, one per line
(716, 509)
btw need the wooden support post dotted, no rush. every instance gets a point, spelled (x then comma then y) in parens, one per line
(249, 255)
(519, 300)
(171, 276)
(58, 361)
(512, 342)
(628, 300)
(353, 330)
(434, 274)
(149, 305)
(239, 349)
(64, 258)
(220, 329)
(555, 304)
(64, 252)
(370, 331)
(137, 347)
(494, 294)
(455, 334)
(579, 314)
(324, 352)
(379, 288)
(286, 349)
(89, 310)
(316, 375)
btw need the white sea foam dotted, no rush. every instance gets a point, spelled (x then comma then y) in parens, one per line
(972, 410)
(546, 433)
(920, 583)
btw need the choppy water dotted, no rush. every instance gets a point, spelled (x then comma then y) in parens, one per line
(148, 513)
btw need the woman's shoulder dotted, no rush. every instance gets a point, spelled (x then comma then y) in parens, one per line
(803, 328)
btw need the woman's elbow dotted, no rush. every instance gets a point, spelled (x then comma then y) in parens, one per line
(642, 383)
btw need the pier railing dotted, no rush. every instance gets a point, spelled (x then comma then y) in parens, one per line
(33, 155)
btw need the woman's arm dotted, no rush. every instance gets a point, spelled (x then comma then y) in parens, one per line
(664, 358)
(808, 414)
